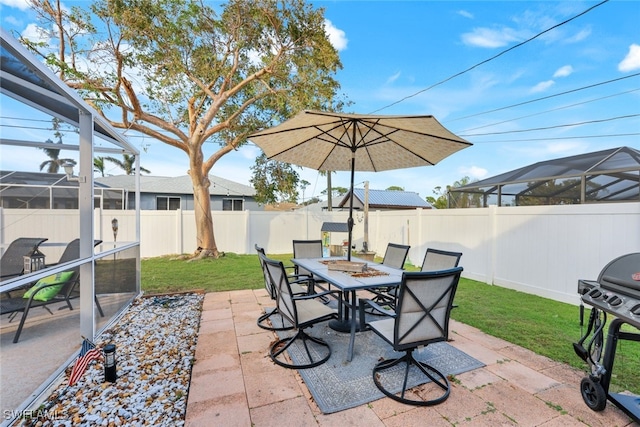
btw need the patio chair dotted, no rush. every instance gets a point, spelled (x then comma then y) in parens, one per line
(302, 311)
(306, 249)
(60, 287)
(296, 288)
(395, 256)
(50, 290)
(421, 318)
(309, 249)
(12, 261)
(435, 260)
(71, 253)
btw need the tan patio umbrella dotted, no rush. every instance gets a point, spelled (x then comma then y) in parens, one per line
(338, 141)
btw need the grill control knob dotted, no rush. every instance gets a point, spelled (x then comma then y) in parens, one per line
(636, 310)
(595, 293)
(614, 300)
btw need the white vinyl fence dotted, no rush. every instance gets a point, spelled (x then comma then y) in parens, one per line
(542, 250)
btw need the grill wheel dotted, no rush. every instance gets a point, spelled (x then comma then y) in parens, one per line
(593, 394)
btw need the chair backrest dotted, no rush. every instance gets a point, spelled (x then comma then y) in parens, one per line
(12, 261)
(72, 250)
(267, 282)
(306, 249)
(395, 255)
(424, 305)
(72, 253)
(280, 282)
(436, 259)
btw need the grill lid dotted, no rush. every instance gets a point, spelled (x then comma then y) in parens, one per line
(622, 275)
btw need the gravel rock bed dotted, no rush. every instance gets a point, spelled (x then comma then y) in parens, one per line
(155, 346)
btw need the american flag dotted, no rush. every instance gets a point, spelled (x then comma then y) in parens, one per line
(88, 353)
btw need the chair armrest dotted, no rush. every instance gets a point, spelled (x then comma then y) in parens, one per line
(299, 278)
(319, 294)
(304, 278)
(44, 286)
(362, 303)
(376, 307)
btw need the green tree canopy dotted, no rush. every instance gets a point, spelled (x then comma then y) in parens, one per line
(337, 191)
(274, 182)
(199, 78)
(440, 201)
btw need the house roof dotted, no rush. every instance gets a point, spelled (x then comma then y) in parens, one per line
(609, 175)
(176, 185)
(341, 227)
(389, 199)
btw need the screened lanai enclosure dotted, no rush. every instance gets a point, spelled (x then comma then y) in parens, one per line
(611, 175)
(56, 232)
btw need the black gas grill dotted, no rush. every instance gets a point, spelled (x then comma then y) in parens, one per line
(615, 293)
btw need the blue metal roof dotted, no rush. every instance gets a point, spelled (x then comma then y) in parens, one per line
(389, 199)
(335, 227)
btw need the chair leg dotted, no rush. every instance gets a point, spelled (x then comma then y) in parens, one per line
(98, 306)
(261, 321)
(436, 377)
(22, 319)
(283, 344)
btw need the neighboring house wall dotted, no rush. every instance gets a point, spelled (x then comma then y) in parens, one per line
(162, 193)
(150, 202)
(542, 250)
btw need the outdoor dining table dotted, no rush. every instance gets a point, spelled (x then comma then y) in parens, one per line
(349, 283)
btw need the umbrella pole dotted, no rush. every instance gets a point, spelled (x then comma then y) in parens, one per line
(350, 220)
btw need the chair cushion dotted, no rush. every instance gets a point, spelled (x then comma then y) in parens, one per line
(43, 293)
(384, 328)
(310, 310)
(297, 289)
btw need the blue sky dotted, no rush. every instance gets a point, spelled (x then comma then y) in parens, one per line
(393, 52)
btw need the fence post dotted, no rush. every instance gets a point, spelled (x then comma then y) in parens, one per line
(180, 231)
(247, 232)
(493, 220)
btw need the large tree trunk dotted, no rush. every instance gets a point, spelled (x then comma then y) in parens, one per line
(204, 223)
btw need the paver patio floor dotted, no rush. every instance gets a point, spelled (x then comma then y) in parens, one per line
(234, 382)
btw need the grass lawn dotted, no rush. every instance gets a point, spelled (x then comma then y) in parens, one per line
(544, 326)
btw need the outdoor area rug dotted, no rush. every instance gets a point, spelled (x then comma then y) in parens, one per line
(337, 384)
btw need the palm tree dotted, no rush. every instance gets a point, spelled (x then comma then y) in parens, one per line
(127, 164)
(54, 162)
(98, 165)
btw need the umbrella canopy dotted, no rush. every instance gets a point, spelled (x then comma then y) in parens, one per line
(336, 141)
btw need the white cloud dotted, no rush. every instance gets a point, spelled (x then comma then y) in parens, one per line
(337, 37)
(579, 36)
(34, 33)
(564, 147)
(465, 14)
(563, 71)
(542, 86)
(12, 20)
(473, 172)
(490, 38)
(632, 60)
(18, 4)
(393, 78)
